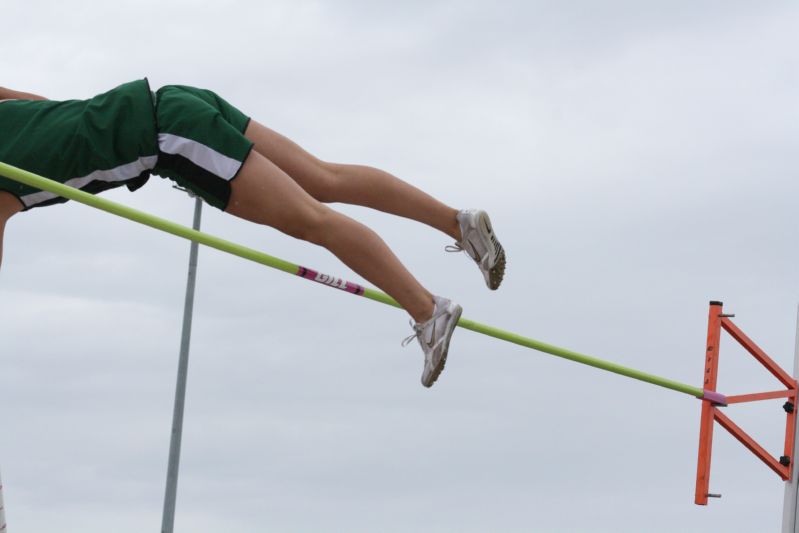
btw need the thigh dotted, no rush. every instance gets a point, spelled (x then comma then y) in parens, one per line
(311, 173)
(265, 194)
(9, 205)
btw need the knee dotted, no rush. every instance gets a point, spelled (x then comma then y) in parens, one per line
(328, 184)
(313, 225)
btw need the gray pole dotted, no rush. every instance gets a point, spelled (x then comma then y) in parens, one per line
(168, 520)
(789, 522)
(3, 528)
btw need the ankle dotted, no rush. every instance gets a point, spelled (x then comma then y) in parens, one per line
(454, 229)
(424, 311)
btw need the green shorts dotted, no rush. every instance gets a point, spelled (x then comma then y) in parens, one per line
(189, 135)
(201, 141)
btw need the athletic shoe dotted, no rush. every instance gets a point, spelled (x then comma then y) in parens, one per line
(479, 241)
(434, 336)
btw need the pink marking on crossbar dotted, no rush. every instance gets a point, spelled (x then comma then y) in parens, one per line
(330, 281)
(715, 397)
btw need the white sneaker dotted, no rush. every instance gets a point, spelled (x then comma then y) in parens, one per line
(479, 241)
(434, 336)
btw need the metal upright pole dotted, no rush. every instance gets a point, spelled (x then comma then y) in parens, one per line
(789, 521)
(3, 528)
(168, 519)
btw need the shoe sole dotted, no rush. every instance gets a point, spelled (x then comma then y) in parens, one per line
(497, 272)
(438, 369)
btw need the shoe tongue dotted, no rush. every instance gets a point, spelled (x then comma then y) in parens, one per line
(428, 334)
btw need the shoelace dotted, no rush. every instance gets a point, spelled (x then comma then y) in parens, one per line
(458, 247)
(418, 328)
(417, 331)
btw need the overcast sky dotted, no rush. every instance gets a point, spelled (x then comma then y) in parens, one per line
(638, 159)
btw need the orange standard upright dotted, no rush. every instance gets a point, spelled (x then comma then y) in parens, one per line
(713, 401)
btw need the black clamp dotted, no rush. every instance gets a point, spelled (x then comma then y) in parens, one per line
(788, 406)
(785, 460)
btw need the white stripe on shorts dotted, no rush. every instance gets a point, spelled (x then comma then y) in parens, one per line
(121, 173)
(204, 157)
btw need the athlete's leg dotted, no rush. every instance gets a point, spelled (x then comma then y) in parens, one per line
(265, 194)
(9, 205)
(352, 184)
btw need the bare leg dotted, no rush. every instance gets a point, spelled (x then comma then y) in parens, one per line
(9, 205)
(265, 194)
(352, 184)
